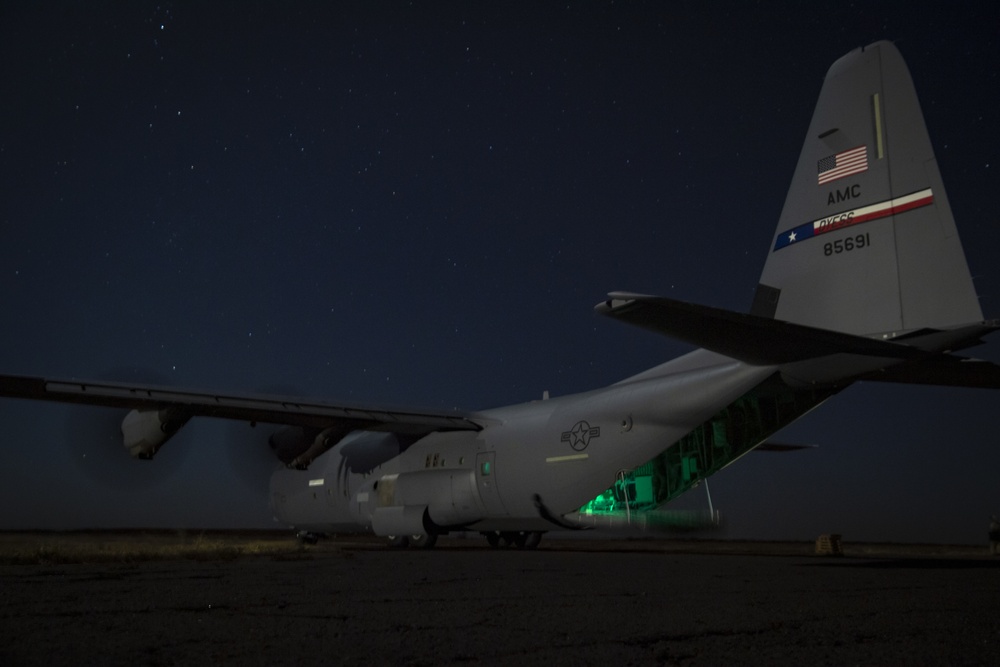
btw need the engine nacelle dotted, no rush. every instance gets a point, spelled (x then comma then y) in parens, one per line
(145, 431)
(288, 443)
(298, 446)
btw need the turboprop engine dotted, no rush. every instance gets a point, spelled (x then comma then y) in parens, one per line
(145, 431)
(298, 446)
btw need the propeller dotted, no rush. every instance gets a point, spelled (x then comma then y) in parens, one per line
(249, 453)
(249, 449)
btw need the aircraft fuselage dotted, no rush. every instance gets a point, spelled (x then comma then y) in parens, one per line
(530, 463)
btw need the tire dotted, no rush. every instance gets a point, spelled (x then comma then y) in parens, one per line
(398, 541)
(532, 539)
(423, 541)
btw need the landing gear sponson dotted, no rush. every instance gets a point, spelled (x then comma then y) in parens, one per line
(496, 539)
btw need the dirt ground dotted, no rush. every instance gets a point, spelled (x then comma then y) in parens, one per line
(351, 601)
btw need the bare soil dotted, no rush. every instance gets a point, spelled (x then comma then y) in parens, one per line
(261, 598)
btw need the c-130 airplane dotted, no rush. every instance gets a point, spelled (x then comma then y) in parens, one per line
(865, 279)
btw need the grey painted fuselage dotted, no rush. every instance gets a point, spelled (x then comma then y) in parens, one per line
(526, 455)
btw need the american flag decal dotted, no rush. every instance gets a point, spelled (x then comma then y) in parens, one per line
(843, 164)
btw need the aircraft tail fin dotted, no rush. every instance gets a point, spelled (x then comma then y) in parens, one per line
(866, 243)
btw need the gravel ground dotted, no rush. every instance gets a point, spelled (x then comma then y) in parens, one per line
(566, 603)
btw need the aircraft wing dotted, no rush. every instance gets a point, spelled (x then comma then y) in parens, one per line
(266, 409)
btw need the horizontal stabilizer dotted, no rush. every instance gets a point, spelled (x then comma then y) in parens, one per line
(756, 340)
(770, 446)
(942, 370)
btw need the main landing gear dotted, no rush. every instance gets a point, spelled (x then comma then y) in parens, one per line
(505, 539)
(415, 541)
(523, 539)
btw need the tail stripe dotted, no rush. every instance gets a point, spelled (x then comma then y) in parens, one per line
(855, 217)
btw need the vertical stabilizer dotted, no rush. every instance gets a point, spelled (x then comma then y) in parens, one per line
(866, 242)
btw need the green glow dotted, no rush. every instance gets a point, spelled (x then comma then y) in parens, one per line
(728, 435)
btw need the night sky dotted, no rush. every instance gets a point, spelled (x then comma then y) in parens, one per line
(419, 204)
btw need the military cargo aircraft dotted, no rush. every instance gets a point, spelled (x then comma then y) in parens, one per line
(865, 280)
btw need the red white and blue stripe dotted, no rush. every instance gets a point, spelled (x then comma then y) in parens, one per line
(854, 217)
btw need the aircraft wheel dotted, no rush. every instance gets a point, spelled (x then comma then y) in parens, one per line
(423, 541)
(493, 539)
(506, 539)
(306, 537)
(398, 541)
(520, 539)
